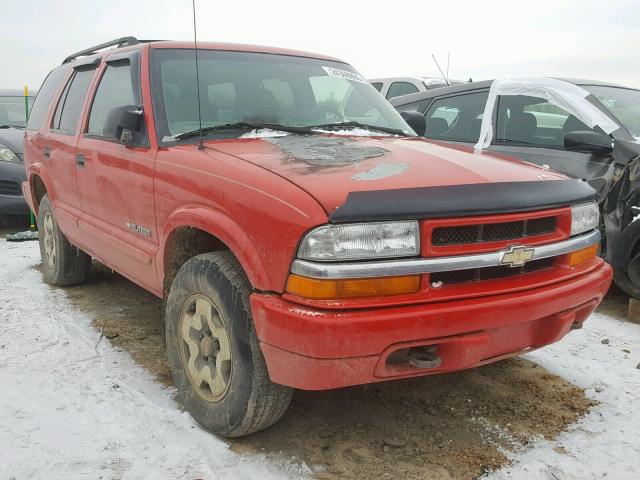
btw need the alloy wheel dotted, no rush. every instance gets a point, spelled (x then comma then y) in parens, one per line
(205, 348)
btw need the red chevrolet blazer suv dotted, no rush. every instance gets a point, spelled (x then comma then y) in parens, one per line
(300, 232)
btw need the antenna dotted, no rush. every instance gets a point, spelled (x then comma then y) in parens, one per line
(438, 65)
(195, 45)
(448, 61)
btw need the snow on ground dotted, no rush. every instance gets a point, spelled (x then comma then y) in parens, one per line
(606, 443)
(69, 410)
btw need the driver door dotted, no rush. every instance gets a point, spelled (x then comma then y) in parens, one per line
(115, 181)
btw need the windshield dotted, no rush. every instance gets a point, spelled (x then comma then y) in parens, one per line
(12, 112)
(623, 103)
(259, 88)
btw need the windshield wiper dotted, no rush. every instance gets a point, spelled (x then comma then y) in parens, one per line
(354, 124)
(240, 126)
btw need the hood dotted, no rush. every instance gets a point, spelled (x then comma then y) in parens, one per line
(330, 167)
(12, 138)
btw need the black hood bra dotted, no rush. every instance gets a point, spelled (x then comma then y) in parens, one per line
(452, 201)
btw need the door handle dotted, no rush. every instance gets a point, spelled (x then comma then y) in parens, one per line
(80, 160)
(47, 152)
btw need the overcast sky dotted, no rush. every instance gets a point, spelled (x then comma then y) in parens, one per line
(487, 39)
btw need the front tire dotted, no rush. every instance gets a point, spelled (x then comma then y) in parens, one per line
(62, 263)
(213, 350)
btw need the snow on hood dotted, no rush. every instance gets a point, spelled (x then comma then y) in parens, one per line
(353, 132)
(264, 133)
(356, 132)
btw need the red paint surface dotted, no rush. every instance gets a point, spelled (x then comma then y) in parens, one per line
(315, 350)
(251, 196)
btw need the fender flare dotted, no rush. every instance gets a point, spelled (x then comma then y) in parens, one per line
(224, 229)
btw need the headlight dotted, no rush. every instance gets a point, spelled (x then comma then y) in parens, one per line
(584, 218)
(360, 241)
(6, 155)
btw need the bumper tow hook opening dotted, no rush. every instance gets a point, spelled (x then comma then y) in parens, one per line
(424, 357)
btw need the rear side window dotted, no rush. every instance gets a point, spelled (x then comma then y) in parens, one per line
(456, 118)
(45, 94)
(401, 88)
(115, 90)
(377, 86)
(70, 103)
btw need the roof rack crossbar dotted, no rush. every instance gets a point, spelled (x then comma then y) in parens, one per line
(118, 42)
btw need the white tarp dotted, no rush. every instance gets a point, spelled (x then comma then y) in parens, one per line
(565, 95)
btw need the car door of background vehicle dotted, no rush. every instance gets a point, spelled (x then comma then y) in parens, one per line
(59, 148)
(526, 128)
(533, 130)
(115, 180)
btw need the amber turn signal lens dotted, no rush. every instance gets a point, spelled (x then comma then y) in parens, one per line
(581, 256)
(316, 289)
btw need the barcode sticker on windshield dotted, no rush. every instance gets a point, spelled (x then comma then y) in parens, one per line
(347, 75)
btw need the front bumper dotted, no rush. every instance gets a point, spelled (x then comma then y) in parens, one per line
(11, 200)
(313, 349)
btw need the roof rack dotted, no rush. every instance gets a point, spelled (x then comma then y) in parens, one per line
(118, 42)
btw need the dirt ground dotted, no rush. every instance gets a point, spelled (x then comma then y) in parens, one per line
(439, 427)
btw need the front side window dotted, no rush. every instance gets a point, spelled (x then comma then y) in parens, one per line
(115, 90)
(456, 118)
(257, 88)
(397, 89)
(534, 121)
(622, 103)
(67, 114)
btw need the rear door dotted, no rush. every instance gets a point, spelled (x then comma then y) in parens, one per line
(115, 181)
(59, 147)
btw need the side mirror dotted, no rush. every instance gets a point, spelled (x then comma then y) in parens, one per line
(589, 142)
(416, 120)
(124, 123)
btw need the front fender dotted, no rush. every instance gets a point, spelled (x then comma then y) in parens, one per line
(223, 228)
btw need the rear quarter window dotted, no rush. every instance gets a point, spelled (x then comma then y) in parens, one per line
(44, 97)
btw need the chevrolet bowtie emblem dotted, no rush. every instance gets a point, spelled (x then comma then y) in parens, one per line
(517, 256)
